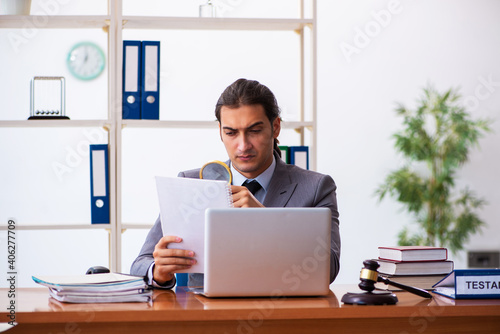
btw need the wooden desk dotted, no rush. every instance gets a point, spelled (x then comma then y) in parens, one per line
(185, 312)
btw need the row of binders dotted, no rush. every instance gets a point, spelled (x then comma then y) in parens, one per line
(141, 80)
(295, 155)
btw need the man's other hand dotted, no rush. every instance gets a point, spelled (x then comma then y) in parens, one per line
(170, 260)
(243, 198)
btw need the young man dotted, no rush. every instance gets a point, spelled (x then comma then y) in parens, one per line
(249, 126)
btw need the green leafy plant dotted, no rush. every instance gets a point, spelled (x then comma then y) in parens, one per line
(435, 143)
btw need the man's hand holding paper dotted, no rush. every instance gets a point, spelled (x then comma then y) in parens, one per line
(170, 260)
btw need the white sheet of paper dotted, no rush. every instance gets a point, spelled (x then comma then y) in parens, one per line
(183, 202)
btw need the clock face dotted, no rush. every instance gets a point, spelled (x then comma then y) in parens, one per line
(86, 61)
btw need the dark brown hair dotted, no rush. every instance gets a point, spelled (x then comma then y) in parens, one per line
(245, 92)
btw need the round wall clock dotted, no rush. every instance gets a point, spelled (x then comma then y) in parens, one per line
(86, 61)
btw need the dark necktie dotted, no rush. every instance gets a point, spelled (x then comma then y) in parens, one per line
(253, 186)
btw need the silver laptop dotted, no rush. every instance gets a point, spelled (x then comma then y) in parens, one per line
(267, 252)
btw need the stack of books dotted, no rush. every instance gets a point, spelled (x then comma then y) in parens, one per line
(97, 288)
(418, 266)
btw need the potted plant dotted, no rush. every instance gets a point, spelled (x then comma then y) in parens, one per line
(435, 142)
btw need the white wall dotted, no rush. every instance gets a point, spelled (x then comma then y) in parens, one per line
(448, 43)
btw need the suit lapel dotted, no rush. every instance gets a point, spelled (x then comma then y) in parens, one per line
(281, 187)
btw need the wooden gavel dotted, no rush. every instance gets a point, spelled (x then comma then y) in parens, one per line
(369, 276)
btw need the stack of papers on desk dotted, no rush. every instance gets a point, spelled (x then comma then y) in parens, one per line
(97, 288)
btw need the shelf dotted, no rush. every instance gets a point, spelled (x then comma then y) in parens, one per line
(196, 124)
(140, 123)
(195, 23)
(59, 227)
(47, 22)
(132, 124)
(136, 226)
(54, 123)
(152, 22)
(296, 125)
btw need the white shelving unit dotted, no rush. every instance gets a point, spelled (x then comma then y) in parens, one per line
(114, 24)
(56, 124)
(56, 22)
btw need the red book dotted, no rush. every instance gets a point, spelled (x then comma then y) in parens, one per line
(413, 253)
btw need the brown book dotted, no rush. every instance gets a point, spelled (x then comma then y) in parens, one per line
(413, 253)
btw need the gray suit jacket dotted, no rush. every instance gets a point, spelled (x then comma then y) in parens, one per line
(290, 186)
